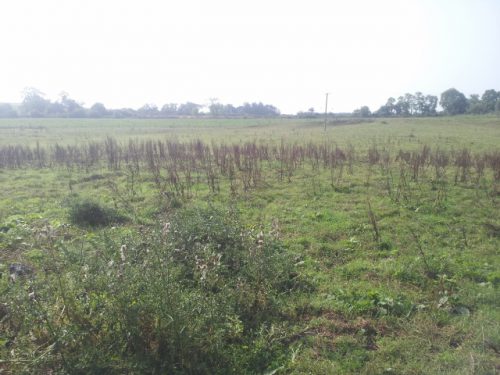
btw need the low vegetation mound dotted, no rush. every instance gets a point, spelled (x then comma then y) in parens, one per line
(86, 212)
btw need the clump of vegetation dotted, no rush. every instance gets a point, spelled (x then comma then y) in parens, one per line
(199, 294)
(87, 212)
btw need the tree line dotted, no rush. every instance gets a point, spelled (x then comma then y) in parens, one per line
(34, 104)
(452, 101)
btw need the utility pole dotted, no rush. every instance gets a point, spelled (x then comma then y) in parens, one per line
(326, 110)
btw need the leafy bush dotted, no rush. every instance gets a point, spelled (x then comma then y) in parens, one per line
(86, 212)
(216, 253)
(200, 295)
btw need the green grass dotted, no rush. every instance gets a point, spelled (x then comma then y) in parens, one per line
(475, 132)
(421, 298)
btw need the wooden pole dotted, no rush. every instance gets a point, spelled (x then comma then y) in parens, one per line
(326, 110)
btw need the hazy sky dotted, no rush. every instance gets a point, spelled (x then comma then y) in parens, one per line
(287, 53)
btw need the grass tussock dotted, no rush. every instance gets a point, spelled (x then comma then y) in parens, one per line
(90, 213)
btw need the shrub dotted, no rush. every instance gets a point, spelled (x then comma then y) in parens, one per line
(201, 295)
(198, 233)
(217, 253)
(86, 212)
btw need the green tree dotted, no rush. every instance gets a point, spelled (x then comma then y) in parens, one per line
(391, 103)
(475, 105)
(430, 105)
(453, 102)
(98, 110)
(364, 111)
(403, 106)
(410, 101)
(71, 107)
(34, 104)
(489, 100)
(258, 110)
(388, 109)
(230, 110)
(169, 109)
(216, 108)
(189, 109)
(55, 109)
(148, 110)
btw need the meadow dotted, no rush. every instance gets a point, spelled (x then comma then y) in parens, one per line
(250, 246)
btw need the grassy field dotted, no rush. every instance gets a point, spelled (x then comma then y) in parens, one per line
(474, 132)
(250, 246)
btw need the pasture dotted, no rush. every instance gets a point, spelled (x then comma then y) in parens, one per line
(250, 246)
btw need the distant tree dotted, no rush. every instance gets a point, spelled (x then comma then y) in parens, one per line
(216, 108)
(364, 111)
(497, 107)
(148, 110)
(453, 102)
(402, 106)
(489, 100)
(383, 111)
(424, 105)
(55, 109)
(34, 104)
(6, 110)
(388, 109)
(475, 105)
(258, 110)
(230, 110)
(418, 104)
(98, 110)
(411, 104)
(169, 109)
(391, 103)
(70, 106)
(310, 113)
(123, 113)
(189, 109)
(430, 105)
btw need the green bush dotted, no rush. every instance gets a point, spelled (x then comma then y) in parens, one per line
(199, 296)
(86, 212)
(215, 252)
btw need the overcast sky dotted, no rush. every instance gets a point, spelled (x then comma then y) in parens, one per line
(288, 53)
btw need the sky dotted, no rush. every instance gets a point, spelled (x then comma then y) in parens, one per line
(287, 53)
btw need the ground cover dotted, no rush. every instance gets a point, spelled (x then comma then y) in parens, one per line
(250, 246)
